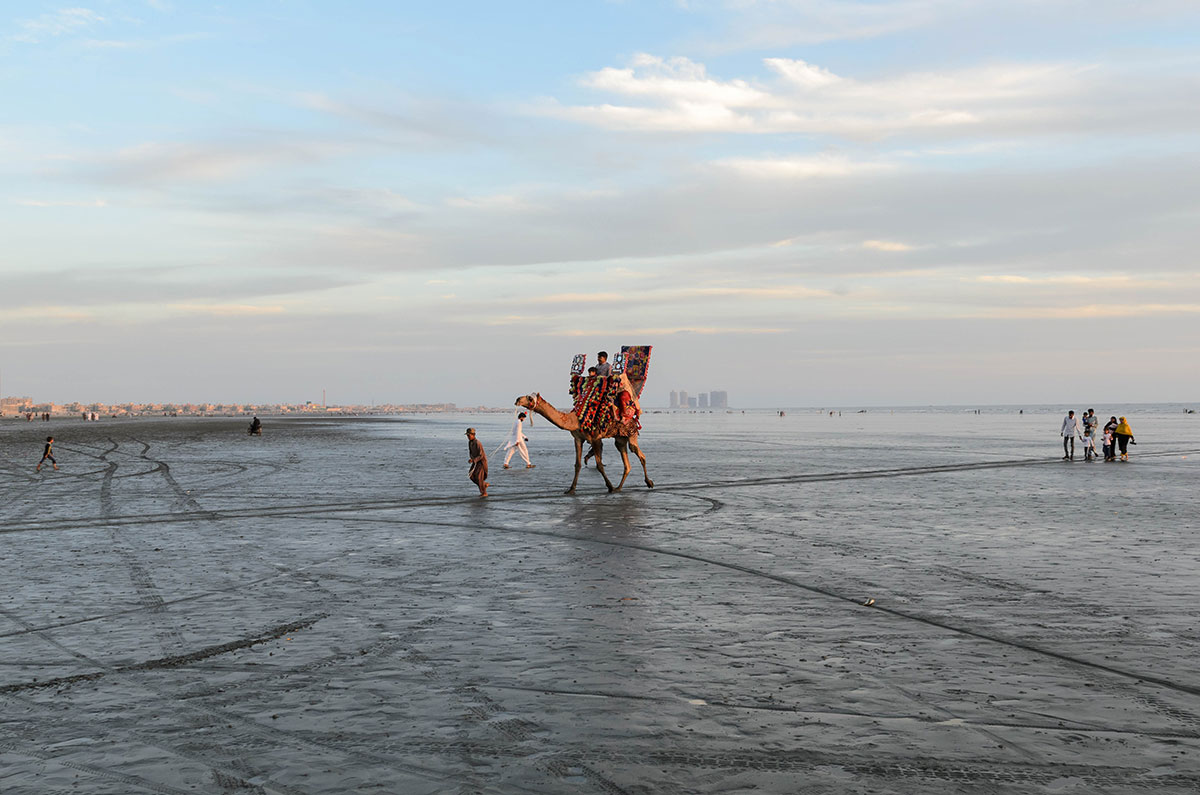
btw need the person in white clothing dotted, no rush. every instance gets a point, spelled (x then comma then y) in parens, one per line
(516, 442)
(1070, 429)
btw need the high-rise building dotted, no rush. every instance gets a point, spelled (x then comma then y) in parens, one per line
(691, 403)
(703, 397)
(718, 399)
(674, 399)
(683, 399)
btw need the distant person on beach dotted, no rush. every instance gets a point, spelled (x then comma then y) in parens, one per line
(1070, 429)
(516, 442)
(1124, 436)
(478, 460)
(47, 453)
(256, 427)
(1109, 441)
(602, 365)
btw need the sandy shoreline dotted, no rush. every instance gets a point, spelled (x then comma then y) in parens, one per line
(327, 609)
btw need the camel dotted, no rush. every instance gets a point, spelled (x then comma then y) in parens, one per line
(569, 422)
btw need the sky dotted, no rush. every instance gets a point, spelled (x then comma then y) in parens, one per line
(801, 202)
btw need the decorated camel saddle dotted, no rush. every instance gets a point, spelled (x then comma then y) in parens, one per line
(609, 405)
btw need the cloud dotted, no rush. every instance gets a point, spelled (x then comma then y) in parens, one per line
(50, 312)
(803, 167)
(774, 24)
(679, 95)
(55, 203)
(676, 79)
(885, 245)
(225, 310)
(1076, 280)
(1085, 311)
(157, 163)
(158, 285)
(667, 330)
(57, 23)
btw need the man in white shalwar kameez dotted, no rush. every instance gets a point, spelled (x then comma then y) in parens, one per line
(516, 442)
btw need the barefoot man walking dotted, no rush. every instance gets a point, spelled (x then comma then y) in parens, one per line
(478, 460)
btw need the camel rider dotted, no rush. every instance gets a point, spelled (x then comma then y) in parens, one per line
(602, 366)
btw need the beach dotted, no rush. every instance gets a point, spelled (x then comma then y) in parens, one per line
(331, 607)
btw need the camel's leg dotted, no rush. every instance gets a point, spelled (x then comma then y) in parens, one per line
(578, 463)
(600, 464)
(623, 447)
(641, 457)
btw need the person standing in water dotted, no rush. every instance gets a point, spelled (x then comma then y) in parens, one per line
(478, 460)
(48, 452)
(1124, 436)
(1070, 429)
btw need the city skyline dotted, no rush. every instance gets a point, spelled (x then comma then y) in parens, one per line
(826, 201)
(682, 399)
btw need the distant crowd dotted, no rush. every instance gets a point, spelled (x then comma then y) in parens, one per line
(1117, 435)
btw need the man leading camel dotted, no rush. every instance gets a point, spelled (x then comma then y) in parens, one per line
(478, 461)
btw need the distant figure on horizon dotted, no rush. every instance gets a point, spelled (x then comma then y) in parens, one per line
(47, 452)
(602, 365)
(1070, 429)
(516, 442)
(256, 427)
(478, 460)
(1124, 436)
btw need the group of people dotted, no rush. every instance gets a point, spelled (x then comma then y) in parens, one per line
(1117, 435)
(624, 410)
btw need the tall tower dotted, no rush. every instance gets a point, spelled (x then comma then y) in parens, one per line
(683, 399)
(703, 396)
(674, 399)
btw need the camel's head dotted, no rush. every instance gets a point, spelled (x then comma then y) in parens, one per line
(528, 401)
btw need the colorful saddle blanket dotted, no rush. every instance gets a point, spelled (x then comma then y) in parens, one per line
(594, 396)
(635, 360)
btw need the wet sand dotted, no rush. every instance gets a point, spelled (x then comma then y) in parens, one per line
(329, 608)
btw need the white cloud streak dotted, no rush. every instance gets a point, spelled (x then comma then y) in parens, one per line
(679, 95)
(57, 23)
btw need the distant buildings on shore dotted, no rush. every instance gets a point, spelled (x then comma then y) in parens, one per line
(20, 406)
(705, 400)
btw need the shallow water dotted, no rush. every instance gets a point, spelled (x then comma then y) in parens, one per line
(328, 608)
